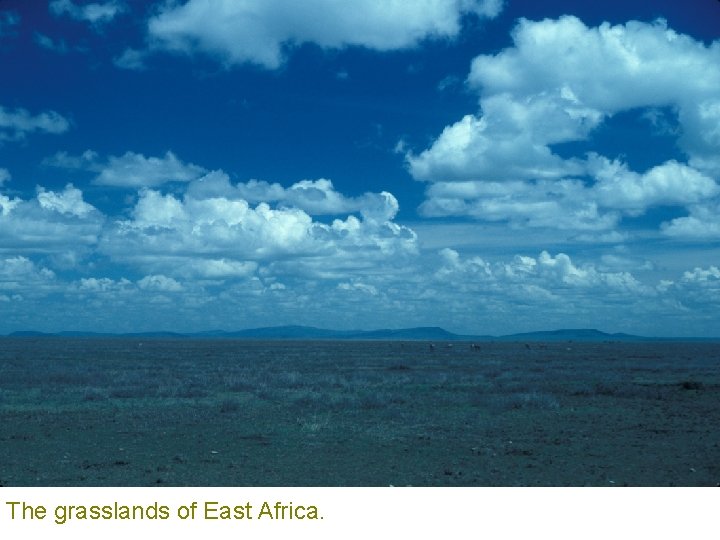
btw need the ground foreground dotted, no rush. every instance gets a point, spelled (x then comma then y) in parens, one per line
(98, 412)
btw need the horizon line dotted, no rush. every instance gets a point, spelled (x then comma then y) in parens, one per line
(560, 334)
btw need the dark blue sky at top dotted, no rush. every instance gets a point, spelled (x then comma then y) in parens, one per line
(333, 114)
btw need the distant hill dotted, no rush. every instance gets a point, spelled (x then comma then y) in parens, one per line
(30, 333)
(429, 333)
(309, 332)
(286, 332)
(583, 334)
(421, 333)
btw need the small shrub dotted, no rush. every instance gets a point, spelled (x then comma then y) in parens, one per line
(291, 379)
(237, 383)
(229, 406)
(129, 392)
(313, 423)
(519, 400)
(192, 391)
(95, 394)
(691, 385)
(377, 400)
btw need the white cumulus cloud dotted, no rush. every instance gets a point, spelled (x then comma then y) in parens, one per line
(671, 183)
(159, 282)
(69, 201)
(132, 170)
(510, 141)
(95, 13)
(103, 285)
(209, 234)
(316, 197)
(17, 124)
(132, 59)
(52, 223)
(239, 31)
(696, 290)
(546, 272)
(21, 276)
(8, 20)
(703, 223)
(135, 170)
(46, 42)
(562, 204)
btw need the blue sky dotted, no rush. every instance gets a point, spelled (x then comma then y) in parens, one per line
(486, 166)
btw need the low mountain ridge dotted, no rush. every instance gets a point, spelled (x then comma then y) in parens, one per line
(425, 333)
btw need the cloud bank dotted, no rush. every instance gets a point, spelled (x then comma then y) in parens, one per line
(215, 249)
(559, 82)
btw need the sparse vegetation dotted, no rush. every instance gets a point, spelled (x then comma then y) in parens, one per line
(376, 412)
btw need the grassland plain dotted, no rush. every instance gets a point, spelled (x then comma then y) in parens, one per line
(194, 412)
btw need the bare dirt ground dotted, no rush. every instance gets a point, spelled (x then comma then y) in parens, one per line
(91, 412)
